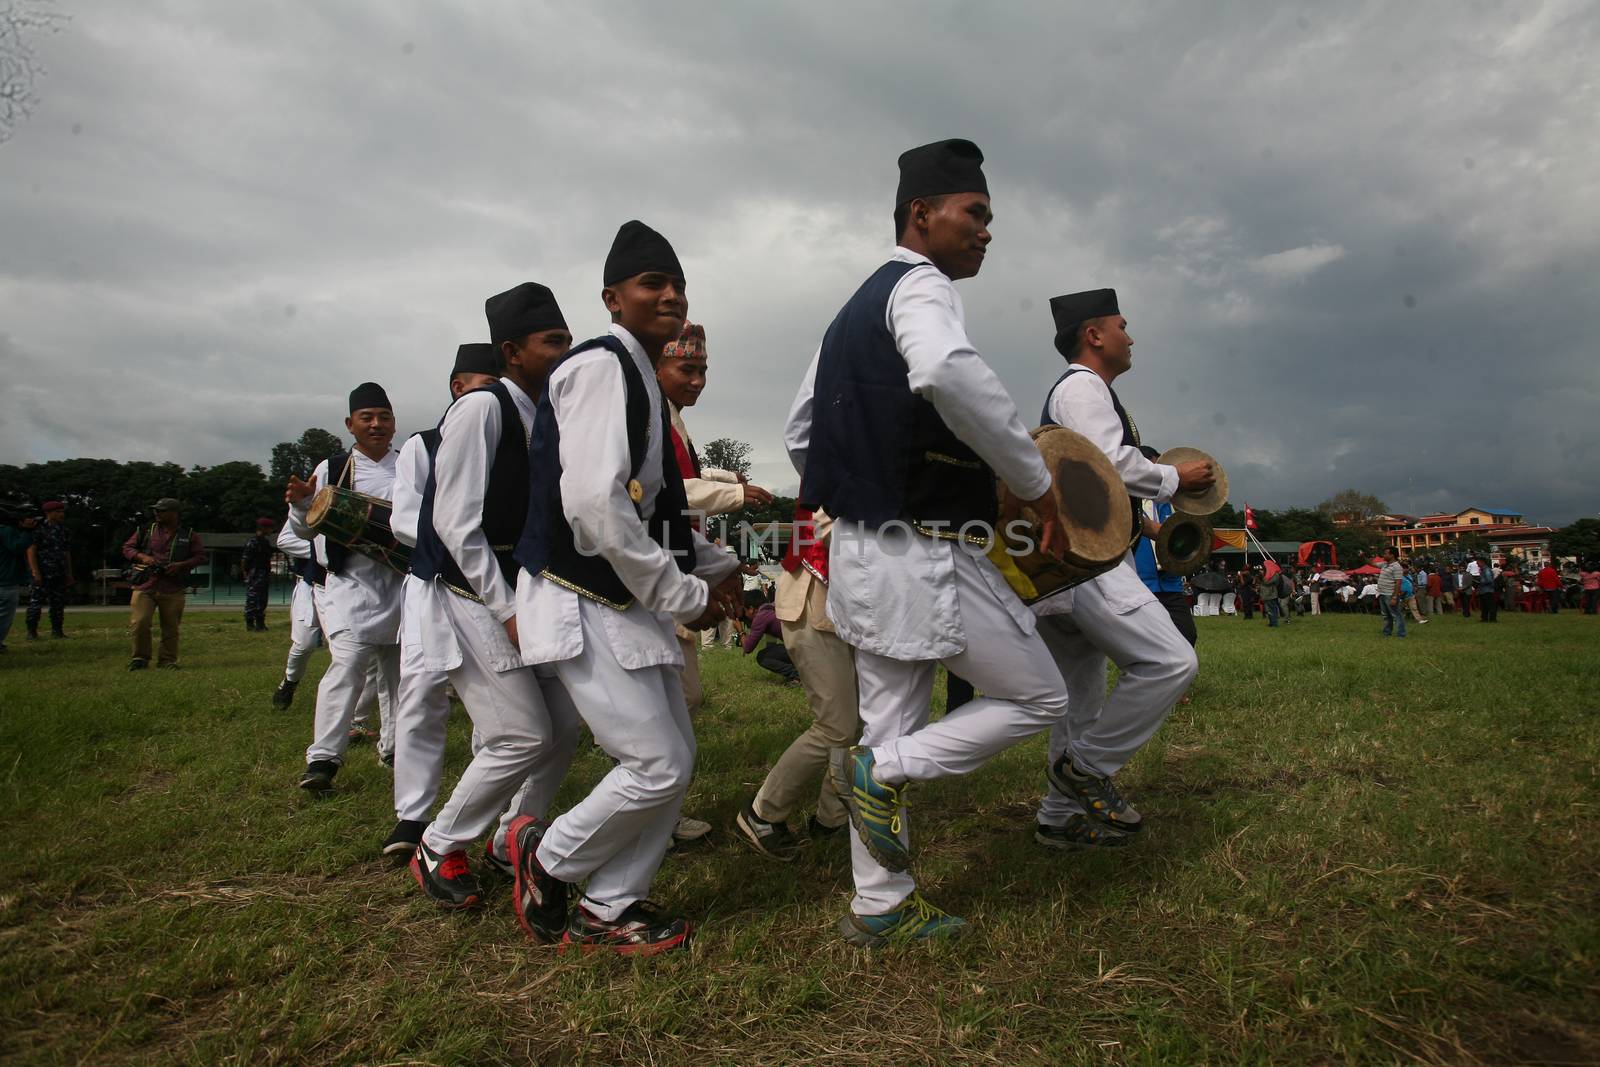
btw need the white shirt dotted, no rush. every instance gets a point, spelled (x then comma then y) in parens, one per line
(1082, 402)
(365, 599)
(302, 603)
(589, 398)
(410, 479)
(891, 592)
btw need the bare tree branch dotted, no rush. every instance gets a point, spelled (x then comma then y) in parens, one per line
(20, 22)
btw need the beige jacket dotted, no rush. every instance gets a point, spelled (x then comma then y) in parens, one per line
(795, 590)
(715, 492)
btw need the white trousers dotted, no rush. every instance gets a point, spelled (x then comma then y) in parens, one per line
(617, 835)
(421, 721)
(525, 731)
(303, 639)
(1155, 666)
(339, 694)
(1210, 604)
(1023, 693)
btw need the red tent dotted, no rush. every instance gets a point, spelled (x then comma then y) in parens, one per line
(1368, 569)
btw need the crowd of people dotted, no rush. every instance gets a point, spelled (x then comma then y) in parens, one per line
(555, 570)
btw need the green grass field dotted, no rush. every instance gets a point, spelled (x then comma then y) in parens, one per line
(1358, 851)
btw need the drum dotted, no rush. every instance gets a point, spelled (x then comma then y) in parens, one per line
(360, 523)
(1183, 544)
(1094, 511)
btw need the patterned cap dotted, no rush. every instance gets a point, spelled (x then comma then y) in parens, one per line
(691, 344)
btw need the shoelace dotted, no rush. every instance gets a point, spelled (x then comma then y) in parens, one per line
(453, 865)
(883, 811)
(925, 915)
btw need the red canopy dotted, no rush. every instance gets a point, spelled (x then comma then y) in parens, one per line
(1367, 569)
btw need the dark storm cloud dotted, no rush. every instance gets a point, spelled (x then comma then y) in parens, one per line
(1356, 245)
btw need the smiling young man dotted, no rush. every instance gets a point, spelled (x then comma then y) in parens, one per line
(422, 703)
(1114, 615)
(899, 431)
(609, 563)
(473, 514)
(358, 602)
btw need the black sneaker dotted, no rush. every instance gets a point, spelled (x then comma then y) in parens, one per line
(818, 831)
(1098, 795)
(57, 635)
(771, 839)
(641, 930)
(1080, 832)
(318, 778)
(538, 897)
(283, 696)
(387, 759)
(133, 664)
(404, 838)
(168, 666)
(447, 878)
(496, 863)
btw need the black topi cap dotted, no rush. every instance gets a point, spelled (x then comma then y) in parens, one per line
(477, 358)
(369, 395)
(516, 313)
(1075, 308)
(953, 166)
(638, 249)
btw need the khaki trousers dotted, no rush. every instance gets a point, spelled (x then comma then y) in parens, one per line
(689, 644)
(828, 674)
(145, 605)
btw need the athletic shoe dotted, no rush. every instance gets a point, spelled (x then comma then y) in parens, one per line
(1098, 795)
(690, 829)
(641, 930)
(168, 666)
(771, 839)
(538, 897)
(404, 838)
(914, 920)
(818, 831)
(359, 735)
(447, 878)
(874, 808)
(495, 863)
(1080, 832)
(319, 774)
(283, 696)
(133, 665)
(387, 759)
(57, 635)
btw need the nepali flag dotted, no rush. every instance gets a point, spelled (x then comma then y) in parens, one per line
(1249, 517)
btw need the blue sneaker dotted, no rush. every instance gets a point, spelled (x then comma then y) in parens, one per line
(914, 920)
(875, 808)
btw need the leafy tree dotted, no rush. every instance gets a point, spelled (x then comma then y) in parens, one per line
(229, 497)
(301, 457)
(727, 454)
(1355, 545)
(1581, 539)
(1352, 504)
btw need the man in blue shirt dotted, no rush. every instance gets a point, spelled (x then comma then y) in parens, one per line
(16, 535)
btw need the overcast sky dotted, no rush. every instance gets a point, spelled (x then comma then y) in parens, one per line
(1357, 245)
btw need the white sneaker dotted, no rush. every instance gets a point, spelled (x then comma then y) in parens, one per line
(690, 829)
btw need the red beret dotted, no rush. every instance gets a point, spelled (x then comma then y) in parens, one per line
(53, 505)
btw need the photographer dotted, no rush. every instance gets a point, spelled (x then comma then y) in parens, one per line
(50, 561)
(16, 537)
(163, 554)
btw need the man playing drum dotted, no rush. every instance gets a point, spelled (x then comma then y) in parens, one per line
(898, 431)
(1113, 614)
(359, 601)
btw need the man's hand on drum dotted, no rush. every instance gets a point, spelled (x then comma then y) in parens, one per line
(1198, 474)
(1052, 535)
(298, 490)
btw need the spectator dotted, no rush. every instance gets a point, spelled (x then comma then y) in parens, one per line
(1408, 592)
(1347, 595)
(1419, 585)
(1549, 583)
(1314, 588)
(1588, 580)
(1390, 601)
(16, 538)
(255, 567)
(762, 620)
(1434, 592)
(1267, 590)
(163, 555)
(1369, 597)
(1465, 578)
(50, 561)
(1488, 603)
(1247, 593)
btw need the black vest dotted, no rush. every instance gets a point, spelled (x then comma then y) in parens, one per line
(547, 546)
(336, 553)
(505, 501)
(308, 569)
(878, 451)
(1130, 432)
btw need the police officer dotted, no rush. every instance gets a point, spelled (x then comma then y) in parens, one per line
(256, 565)
(50, 560)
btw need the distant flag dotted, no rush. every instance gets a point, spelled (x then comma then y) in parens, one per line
(1249, 517)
